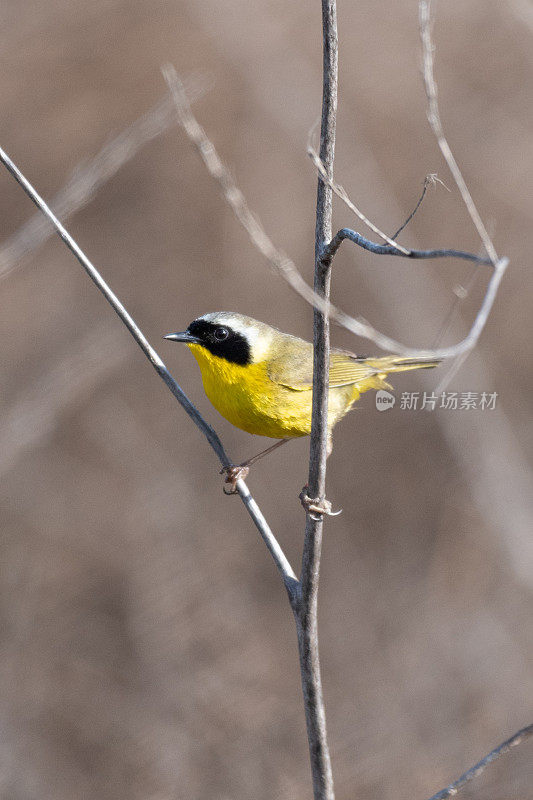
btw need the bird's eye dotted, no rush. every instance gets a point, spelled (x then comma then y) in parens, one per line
(221, 334)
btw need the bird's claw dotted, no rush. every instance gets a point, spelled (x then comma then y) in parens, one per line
(316, 507)
(234, 473)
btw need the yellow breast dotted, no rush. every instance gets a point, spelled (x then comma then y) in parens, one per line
(250, 400)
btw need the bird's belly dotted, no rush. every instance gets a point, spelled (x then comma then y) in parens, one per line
(248, 399)
(272, 411)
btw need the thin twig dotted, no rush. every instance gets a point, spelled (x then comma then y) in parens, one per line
(460, 291)
(433, 115)
(90, 175)
(341, 193)
(429, 180)
(221, 174)
(456, 364)
(478, 768)
(288, 270)
(285, 569)
(386, 250)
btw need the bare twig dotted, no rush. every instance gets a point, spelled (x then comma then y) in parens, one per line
(284, 568)
(90, 175)
(340, 191)
(433, 115)
(429, 180)
(218, 170)
(460, 292)
(387, 250)
(478, 768)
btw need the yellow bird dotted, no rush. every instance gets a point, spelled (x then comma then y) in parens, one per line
(261, 379)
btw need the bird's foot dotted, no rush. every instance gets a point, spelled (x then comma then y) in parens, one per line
(317, 507)
(234, 473)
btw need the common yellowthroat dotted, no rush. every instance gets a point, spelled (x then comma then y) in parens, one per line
(261, 379)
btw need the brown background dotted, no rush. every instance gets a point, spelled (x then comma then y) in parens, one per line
(147, 649)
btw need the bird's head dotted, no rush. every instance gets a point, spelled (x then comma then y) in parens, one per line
(224, 334)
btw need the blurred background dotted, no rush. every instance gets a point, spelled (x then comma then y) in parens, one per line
(147, 647)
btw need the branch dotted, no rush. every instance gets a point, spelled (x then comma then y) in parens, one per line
(285, 569)
(429, 180)
(478, 768)
(340, 191)
(306, 611)
(387, 250)
(433, 115)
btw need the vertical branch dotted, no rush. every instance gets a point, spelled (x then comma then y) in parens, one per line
(306, 608)
(319, 429)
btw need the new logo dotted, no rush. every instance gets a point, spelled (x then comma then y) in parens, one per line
(384, 400)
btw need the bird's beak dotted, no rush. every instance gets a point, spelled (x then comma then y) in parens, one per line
(184, 336)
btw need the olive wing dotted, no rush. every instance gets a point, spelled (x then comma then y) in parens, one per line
(294, 370)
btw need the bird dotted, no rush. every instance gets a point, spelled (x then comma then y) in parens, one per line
(261, 379)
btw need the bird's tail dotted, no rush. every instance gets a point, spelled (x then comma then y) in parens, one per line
(379, 368)
(388, 364)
